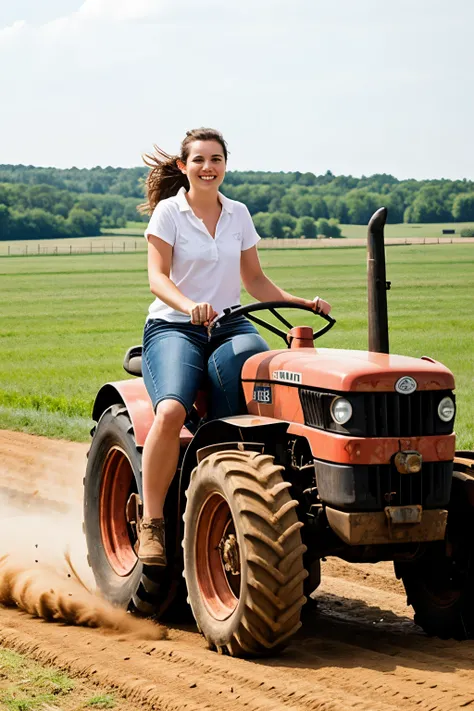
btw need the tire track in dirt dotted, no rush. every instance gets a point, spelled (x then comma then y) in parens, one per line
(358, 648)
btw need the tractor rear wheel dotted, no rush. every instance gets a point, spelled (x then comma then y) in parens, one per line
(243, 555)
(113, 474)
(440, 585)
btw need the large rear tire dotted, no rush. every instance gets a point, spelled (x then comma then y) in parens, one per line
(440, 585)
(113, 473)
(243, 555)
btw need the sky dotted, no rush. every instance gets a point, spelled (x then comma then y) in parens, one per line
(352, 86)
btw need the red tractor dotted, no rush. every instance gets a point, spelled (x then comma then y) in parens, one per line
(343, 453)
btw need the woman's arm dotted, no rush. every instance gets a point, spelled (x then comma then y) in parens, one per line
(262, 288)
(159, 266)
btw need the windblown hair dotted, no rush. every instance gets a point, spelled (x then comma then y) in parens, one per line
(165, 178)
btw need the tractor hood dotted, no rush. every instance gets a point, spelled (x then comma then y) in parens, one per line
(344, 371)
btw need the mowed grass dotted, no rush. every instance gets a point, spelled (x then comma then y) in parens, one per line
(409, 231)
(397, 230)
(67, 321)
(130, 239)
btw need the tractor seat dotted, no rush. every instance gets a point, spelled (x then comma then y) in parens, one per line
(132, 363)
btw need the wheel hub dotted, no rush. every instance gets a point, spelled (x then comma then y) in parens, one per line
(229, 549)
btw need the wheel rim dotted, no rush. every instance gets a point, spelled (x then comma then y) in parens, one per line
(219, 588)
(117, 536)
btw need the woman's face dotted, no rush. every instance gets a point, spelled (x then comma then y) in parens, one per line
(205, 166)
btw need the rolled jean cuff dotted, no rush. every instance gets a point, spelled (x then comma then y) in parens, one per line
(172, 397)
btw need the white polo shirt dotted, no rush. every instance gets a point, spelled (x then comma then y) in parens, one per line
(204, 269)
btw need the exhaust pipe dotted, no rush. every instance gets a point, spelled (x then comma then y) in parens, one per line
(377, 283)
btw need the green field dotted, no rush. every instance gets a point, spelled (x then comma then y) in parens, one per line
(131, 239)
(66, 322)
(406, 231)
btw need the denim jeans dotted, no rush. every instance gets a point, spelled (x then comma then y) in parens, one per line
(179, 359)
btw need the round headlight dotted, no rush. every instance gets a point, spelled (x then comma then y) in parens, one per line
(446, 409)
(341, 410)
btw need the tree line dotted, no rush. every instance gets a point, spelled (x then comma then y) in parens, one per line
(51, 202)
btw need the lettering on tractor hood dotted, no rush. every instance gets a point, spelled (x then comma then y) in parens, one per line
(288, 376)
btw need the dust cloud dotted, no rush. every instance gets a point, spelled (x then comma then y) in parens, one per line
(43, 556)
(43, 593)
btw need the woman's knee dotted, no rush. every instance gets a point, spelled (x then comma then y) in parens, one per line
(248, 344)
(170, 415)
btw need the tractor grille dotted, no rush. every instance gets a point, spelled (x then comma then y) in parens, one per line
(379, 414)
(316, 408)
(394, 415)
(430, 488)
(373, 487)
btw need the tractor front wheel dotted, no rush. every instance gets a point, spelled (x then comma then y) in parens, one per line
(243, 555)
(440, 585)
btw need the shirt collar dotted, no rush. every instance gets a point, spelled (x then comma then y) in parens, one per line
(184, 205)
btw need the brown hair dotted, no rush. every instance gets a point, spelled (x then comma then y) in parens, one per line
(165, 178)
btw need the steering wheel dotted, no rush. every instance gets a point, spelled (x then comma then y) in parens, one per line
(235, 311)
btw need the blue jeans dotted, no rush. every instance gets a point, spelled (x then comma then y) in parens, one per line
(179, 359)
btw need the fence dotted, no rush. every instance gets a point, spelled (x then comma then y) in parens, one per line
(42, 248)
(130, 246)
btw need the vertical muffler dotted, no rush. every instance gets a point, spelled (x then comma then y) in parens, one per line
(377, 283)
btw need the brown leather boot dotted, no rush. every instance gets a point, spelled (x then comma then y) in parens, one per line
(151, 536)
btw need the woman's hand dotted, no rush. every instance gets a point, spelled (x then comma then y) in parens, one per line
(320, 306)
(202, 314)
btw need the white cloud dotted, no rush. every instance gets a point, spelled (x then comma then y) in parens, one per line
(10, 33)
(306, 84)
(183, 12)
(120, 10)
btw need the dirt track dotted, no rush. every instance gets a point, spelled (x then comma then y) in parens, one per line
(359, 649)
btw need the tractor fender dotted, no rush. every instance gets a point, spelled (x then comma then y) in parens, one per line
(241, 428)
(133, 395)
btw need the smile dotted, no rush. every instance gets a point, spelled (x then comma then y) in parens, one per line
(207, 177)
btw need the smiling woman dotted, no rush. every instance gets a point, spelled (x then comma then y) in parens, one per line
(200, 245)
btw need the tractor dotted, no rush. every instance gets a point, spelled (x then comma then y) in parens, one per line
(338, 453)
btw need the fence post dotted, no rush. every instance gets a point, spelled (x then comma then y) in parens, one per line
(70, 249)
(124, 246)
(91, 246)
(135, 245)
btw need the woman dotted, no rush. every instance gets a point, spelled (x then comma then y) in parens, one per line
(199, 245)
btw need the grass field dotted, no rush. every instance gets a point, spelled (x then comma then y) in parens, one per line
(66, 322)
(393, 231)
(130, 239)
(26, 685)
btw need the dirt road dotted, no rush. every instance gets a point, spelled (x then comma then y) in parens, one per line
(359, 649)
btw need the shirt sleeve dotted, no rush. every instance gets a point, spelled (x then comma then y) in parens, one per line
(162, 224)
(250, 236)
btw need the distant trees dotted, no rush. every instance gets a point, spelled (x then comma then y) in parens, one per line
(52, 202)
(46, 212)
(463, 207)
(329, 228)
(430, 205)
(306, 227)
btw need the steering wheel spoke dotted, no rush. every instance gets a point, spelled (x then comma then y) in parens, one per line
(249, 311)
